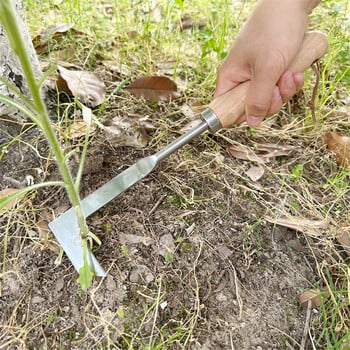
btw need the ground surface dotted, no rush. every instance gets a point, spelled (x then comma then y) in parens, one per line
(190, 260)
(194, 256)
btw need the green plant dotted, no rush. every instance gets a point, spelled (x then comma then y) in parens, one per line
(34, 108)
(333, 315)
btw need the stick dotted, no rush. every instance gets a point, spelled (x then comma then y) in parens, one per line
(306, 327)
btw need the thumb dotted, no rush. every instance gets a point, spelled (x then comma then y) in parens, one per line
(259, 95)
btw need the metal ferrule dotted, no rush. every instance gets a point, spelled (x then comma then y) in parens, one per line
(211, 119)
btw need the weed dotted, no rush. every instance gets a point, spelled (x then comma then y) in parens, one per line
(303, 185)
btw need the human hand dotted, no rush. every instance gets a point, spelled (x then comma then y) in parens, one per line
(261, 53)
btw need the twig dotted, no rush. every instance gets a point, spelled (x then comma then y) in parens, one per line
(316, 68)
(154, 208)
(306, 327)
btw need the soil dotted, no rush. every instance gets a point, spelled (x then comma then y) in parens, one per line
(190, 262)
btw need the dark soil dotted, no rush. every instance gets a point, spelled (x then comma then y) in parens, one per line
(190, 261)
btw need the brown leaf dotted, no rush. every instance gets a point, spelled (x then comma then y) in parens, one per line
(126, 238)
(343, 237)
(78, 129)
(7, 192)
(44, 233)
(255, 172)
(125, 131)
(187, 22)
(262, 153)
(315, 296)
(299, 224)
(154, 88)
(56, 31)
(85, 86)
(339, 145)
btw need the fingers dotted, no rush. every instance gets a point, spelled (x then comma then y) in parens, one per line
(260, 94)
(223, 85)
(289, 84)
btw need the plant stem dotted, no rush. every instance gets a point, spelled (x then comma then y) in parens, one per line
(42, 119)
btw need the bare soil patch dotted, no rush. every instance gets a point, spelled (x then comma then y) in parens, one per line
(191, 262)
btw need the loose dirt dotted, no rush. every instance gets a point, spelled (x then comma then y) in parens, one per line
(191, 263)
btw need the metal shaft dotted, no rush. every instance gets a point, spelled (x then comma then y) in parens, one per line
(209, 122)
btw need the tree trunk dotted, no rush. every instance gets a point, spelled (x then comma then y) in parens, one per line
(10, 68)
(18, 154)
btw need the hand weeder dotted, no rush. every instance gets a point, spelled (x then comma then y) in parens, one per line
(221, 113)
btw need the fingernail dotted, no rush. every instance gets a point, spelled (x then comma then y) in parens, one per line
(253, 121)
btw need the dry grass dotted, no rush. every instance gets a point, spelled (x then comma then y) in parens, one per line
(306, 189)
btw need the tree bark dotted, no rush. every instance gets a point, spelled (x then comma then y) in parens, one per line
(10, 68)
(18, 154)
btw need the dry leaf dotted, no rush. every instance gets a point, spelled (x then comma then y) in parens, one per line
(44, 234)
(56, 31)
(78, 129)
(135, 239)
(154, 88)
(187, 22)
(343, 237)
(87, 87)
(299, 224)
(126, 131)
(7, 192)
(339, 145)
(262, 153)
(255, 173)
(313, 295)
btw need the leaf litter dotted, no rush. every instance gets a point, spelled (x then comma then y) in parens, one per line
(212, 265)
(219, 266)
(154, 88)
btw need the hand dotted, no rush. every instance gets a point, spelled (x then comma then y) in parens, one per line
(261, 53)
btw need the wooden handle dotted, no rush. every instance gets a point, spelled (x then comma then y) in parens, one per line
(230, 106)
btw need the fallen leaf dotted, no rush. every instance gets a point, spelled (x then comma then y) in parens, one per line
(339, 145)
(187, 22)
(141, 274)
(42, 226)
(87, 87)
(77, 129)
(56, 32)
(343, 237)
(315, 296)
(5, 193)
(126, 238)
(255, 173)
(153, 88)
(125, 131)
(262, 153)
(299, 224)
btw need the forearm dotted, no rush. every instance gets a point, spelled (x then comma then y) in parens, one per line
(310, 5)
(305, 5)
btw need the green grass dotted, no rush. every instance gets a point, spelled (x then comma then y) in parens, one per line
(144, 41)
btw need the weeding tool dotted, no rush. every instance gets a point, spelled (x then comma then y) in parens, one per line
(222, 112)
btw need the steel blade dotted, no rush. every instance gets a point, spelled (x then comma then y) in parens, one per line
(66, 228)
